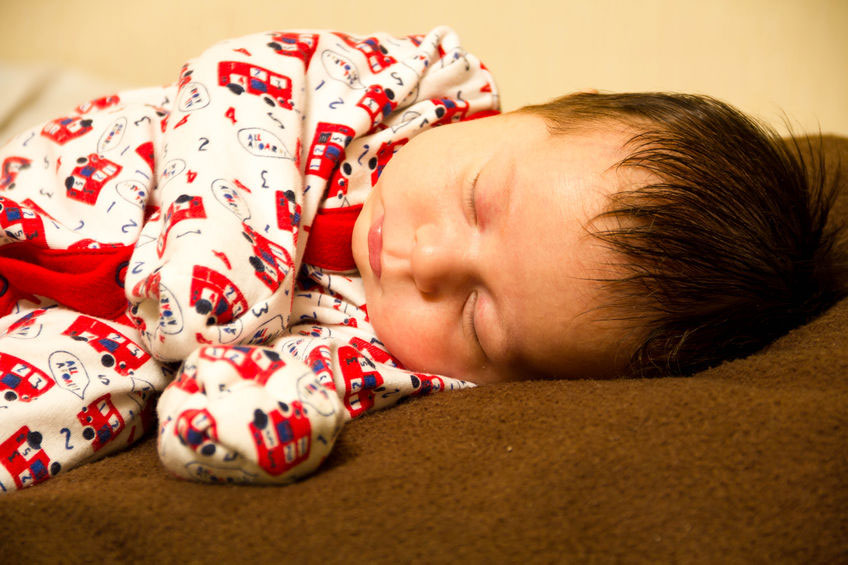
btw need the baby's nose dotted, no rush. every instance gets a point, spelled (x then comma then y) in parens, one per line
(439, 259)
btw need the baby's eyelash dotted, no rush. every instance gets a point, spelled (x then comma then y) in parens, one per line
(468, 316)
(469, 198)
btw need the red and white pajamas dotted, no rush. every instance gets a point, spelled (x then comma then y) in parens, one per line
(195, 240)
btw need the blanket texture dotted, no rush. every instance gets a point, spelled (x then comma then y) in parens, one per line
(744, 462)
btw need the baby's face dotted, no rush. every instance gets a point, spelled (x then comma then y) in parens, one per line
(474, 256)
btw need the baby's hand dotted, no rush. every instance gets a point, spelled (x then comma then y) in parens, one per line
(244, 414)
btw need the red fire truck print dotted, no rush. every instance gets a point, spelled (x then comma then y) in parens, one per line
(87, 180)
(300, 45)
(101, 422)
(62, 130)
(98, 104)
(252, 363)
(185, 207)
(24, 459)
(282, 437)
(11, 167)
(215, 295)
(21, 381)
(118, 351)
(275, 90)
(384, 154)
(328, 148)
(197, 429)
(378, 102)
(376, 55)
(271, 262)
(361, 379)
(449, 110)
(20, 224)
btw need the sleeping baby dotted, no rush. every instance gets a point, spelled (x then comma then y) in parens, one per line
(284, 240)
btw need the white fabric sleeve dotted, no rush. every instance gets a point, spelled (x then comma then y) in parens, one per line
(246, 414)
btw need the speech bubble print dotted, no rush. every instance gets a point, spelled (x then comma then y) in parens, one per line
(133, 191)
(227, 195)
(68, 372)
(263, 143)
(113, 135)
(171, 169)
(341, 68)
(193, 96)
(267, 332)
(170, 314)
(405, 119)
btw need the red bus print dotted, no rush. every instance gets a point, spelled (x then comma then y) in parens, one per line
(375, 352)
(20, 224)
(215, 295)
(361, 379)
(449, 110)
(252, 363)
(119, 352)
(21, 381)
(62, 130)
(101, 422)
(187, 380)
(378, 102)
(300, 45)
(87, 180)
(22, 456)
(185, 207)
(425, 384)
(375, 54)
(27, 326)
(384, 154)
(320, 362)
(274, 89)
(288, 212)
(98, 104)
(11, 167)
(339, 183)
(328, 148)
(282, 437)
(197, 429)
(270, 261)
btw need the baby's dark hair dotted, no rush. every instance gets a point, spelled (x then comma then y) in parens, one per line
(729, 247)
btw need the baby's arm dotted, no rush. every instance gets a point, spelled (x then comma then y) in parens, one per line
(262, 415)
(216, 263)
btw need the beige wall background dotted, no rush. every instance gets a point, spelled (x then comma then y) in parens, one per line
(767, 57)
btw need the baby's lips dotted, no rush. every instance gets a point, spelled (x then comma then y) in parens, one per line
(375, 246)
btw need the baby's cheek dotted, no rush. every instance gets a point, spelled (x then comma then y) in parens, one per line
(420, 343)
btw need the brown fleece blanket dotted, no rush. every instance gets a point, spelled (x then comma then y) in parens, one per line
(744, 462)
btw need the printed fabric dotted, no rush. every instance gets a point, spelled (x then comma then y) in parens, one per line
(155, 241)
